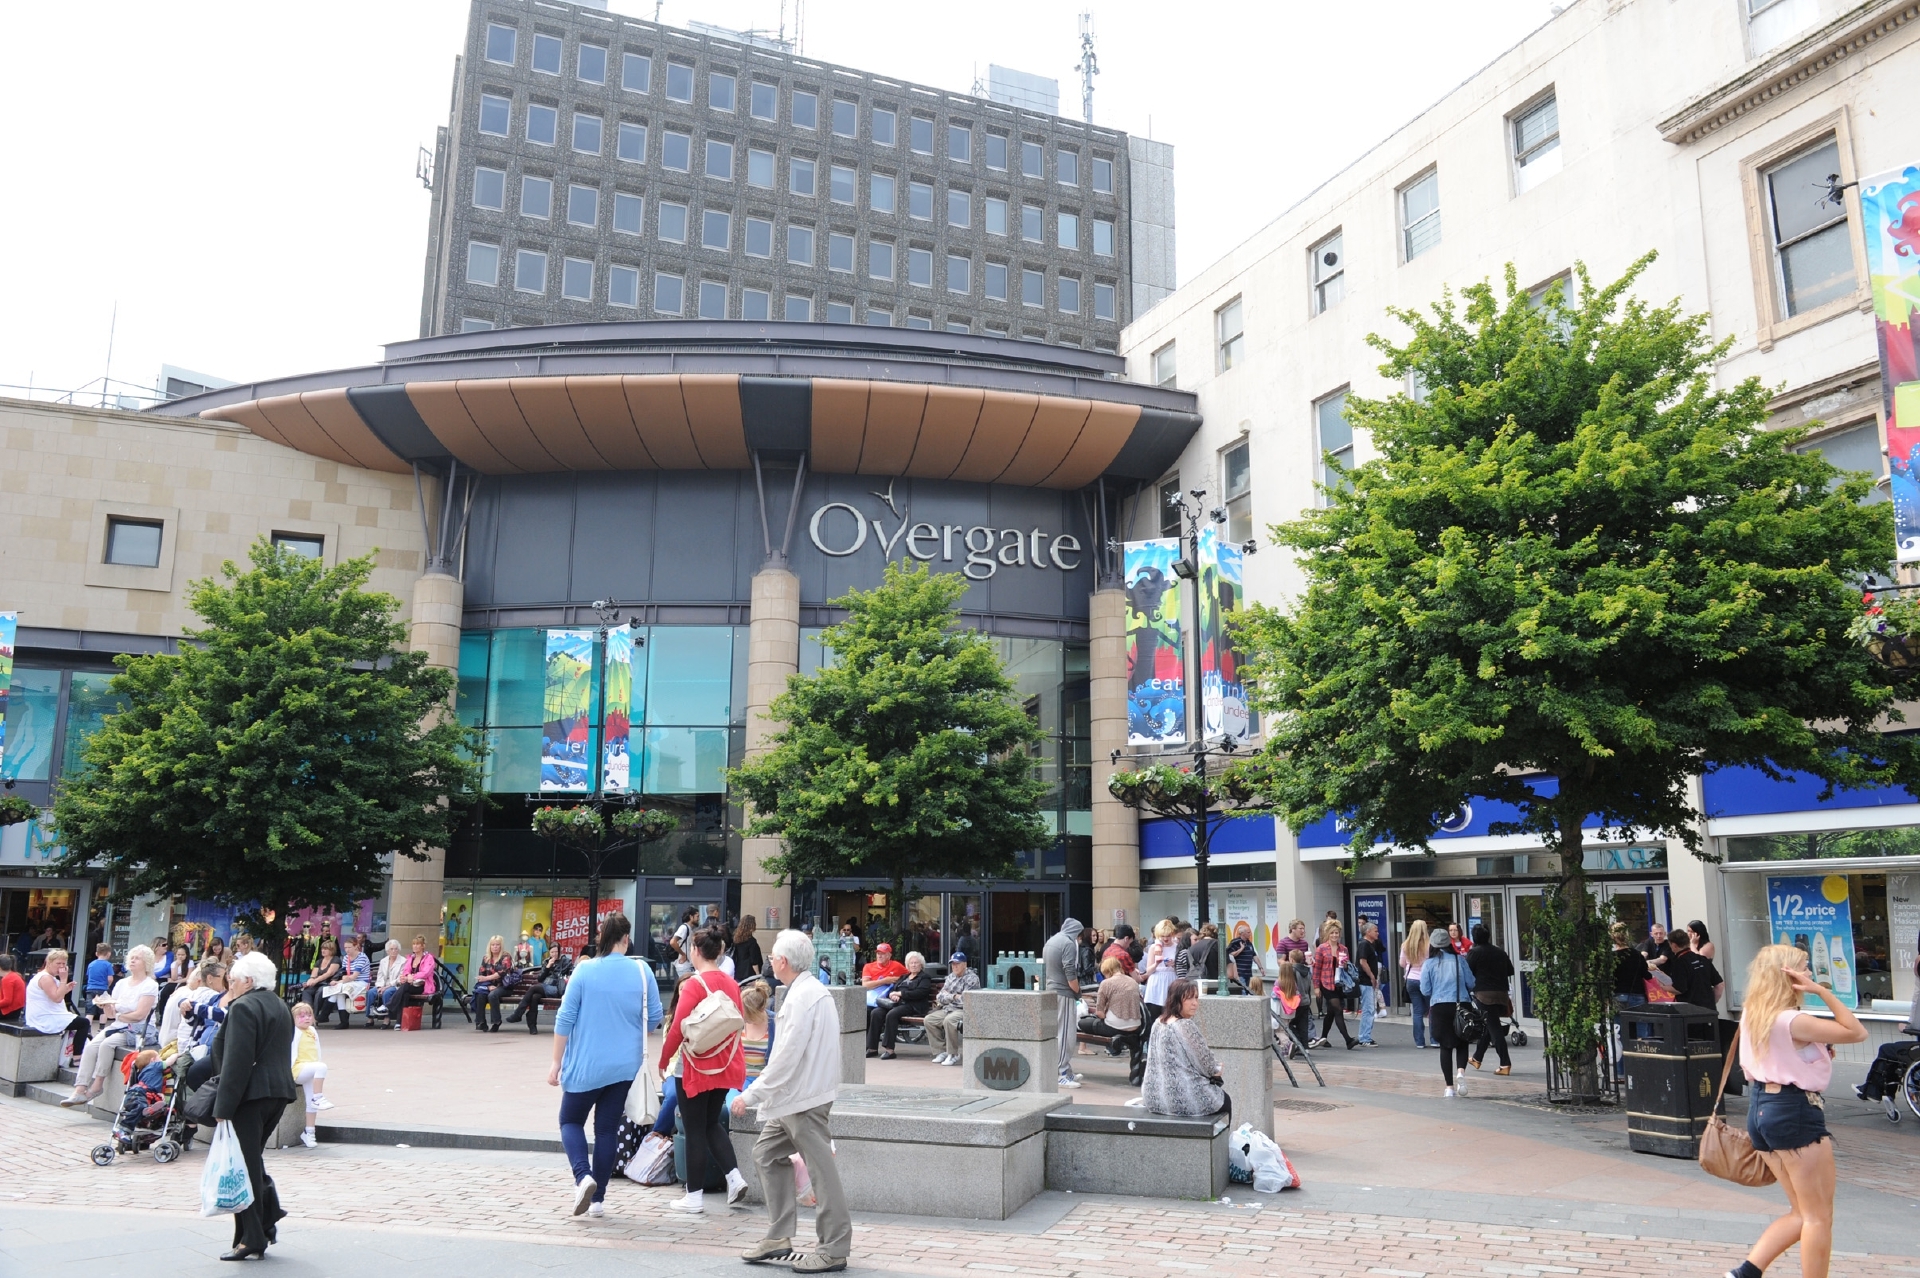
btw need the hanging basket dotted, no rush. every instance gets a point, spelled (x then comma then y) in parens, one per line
(1896, 652)
(14, 810)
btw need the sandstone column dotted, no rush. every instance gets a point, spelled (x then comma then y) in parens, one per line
(1116, 828)
(773, 653)
(413, 907)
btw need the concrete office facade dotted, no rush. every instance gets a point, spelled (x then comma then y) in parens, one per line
(716, 486)
(598, 167)
(1613, 129)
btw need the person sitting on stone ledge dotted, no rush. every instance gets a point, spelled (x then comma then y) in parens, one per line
(1115, 1015)
(1183, 1078)
(13, 993)
(911, 995)
(948, 1019)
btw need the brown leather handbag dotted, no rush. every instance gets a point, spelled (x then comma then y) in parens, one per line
(1728, 1152)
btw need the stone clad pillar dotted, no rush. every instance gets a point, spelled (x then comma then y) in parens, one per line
(1116, 828)
(773, 653)
(413, 907)
(1011, 1042)
(1240, 1034)
(850, 1004)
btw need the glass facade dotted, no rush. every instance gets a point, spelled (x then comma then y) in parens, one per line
(50, 714)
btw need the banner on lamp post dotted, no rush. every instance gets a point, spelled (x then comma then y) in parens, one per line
(1156, 645)
(616, 750)
(1223, 694)
(1890, 211)
(569, 698)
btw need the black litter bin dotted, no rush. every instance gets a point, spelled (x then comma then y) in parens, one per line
(1672, 1060)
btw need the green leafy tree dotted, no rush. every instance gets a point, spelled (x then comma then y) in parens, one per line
(288, 747)
(1575, 558)
(907, 756)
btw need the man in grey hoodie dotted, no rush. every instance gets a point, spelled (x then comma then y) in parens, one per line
(1060, 959)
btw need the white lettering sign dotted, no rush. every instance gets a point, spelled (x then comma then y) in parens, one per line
(981, 551)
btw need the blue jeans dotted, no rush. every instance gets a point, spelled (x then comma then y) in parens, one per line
(1419, 1000)
(608, 1104)
(1368, 996)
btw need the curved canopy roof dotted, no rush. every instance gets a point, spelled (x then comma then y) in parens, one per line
(674, 395)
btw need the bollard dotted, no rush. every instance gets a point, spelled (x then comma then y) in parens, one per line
(1012, 1042)
(1238, 1031)
(851, 1002)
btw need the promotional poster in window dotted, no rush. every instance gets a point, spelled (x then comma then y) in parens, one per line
(1890, 210)
(616, 768)
(569, 701)
(1156, 639)
(1814, 913)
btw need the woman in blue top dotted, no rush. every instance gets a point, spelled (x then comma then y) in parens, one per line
(1446, 980)
(599, 1040)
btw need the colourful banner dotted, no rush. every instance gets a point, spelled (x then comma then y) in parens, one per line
(569, 700)
(456, 931)
(570, 931)
(1223, 694)
(1890, 208)
(9, 631)
(1156, 644)
(616, 753)
(1815, 914)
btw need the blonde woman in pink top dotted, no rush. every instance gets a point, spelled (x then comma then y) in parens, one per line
(1787, 1054)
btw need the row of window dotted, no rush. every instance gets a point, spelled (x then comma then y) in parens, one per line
(997, 215)
(531, 271)
(135, 543)
(591, 64)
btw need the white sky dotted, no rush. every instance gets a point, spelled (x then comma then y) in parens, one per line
(238, 176)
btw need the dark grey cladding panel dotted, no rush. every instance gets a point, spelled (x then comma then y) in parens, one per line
(1157, 441)
(777, 413)
(534, 547)
(483, 538)
(696, 540)
(390, 415)
(613, 537)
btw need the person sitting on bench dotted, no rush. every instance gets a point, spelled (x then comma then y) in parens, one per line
(948, 1019)
(911, 995)
(416, 982)
(1116, 1014)
(548, 981)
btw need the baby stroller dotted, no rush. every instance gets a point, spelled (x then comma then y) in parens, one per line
(149, 1118)
(1894, 1077)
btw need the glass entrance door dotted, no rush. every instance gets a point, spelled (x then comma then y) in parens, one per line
(1434, 907)
(1526, 903)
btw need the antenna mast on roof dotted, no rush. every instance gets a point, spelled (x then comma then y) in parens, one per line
(1089, 66)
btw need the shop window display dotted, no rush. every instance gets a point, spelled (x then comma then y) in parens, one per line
(1858, 926)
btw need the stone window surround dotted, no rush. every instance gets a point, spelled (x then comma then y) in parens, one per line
(1771, 321)
(127, 576)
(328, 533)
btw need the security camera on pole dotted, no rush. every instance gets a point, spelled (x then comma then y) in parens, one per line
(1214, 781)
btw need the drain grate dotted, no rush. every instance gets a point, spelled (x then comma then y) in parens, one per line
(1305, 1106)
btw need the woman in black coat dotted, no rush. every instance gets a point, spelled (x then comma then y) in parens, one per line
(255, 1051)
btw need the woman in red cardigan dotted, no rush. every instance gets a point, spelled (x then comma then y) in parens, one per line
(705, 1079)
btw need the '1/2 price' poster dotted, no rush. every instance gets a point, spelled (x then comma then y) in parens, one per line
(1814, 914)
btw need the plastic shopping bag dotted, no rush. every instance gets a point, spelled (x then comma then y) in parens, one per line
(224, 1186)
(802, 1183)
(1272, 1171)
(652, 1163)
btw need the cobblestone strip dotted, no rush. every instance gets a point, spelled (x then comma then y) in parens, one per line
(43, 1159)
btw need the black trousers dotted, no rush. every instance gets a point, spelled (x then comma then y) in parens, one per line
(253, 1122)
(486, 996)
(1492, 1031)
(1453, 1051)
(1332, 1013)
(883, 1022)
(709, 1148)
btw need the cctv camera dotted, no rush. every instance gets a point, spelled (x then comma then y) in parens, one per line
(1218, 514)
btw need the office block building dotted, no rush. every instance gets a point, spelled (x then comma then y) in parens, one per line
(597, 167)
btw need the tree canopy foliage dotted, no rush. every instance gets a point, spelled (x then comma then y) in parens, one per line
(906, 755)
(289, 746)
(1578, 558)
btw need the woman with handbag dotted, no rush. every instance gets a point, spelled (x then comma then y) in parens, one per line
(708, 1020)
(490, 984)
(1333, 978)
(1787, 1055)
(255, 1086)
(1413, 957)
(599, 1042)
(1447, 982)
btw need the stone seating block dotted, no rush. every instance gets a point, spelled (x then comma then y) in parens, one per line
(989, 1150)
(1118, 1149)
(1003, 1025)
(27, 1056)
(1239, 1030)
(851, 1002)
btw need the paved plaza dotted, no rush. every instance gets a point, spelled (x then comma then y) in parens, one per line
(1398, 1182)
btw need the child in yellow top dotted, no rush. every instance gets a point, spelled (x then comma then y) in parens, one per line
(308, 1069)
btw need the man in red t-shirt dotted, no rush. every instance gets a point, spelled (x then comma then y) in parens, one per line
(13, 991)
(883, 970)
(1122, 939)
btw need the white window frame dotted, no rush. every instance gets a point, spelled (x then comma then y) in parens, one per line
(806, 302)
(493, 281)
(554, 113)
(479, 169)
(746, 298)
(630, 129)
(1238, 505)
(527, 179)
(560, 49)
(673, 66)
(629, 200)
(631, 274)
(660, 208)
(726, 150)
(680, 285)
(629, 57)
(667, 164)
(1112, 294)
(794, 229)
(773, 92)
(733, 91)
(1229, 348)
(1322, 472)
(521, 257)
(479, 120)
(1540, 160)
(486, 47)
(1327, 284)
(567, 268)
(1166, 366)
(706, 224)
(812, 167)
(1408, 229)
(594, 191)
(773, 168)
(964, 264)
(746, 237)
(579, 58)
(700, 299)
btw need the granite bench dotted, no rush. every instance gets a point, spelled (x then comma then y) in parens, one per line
(27, 1056)
(1120, 1149)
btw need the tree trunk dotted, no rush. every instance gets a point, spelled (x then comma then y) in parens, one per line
(1582, 1071)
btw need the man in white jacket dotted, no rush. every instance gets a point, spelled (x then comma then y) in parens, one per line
(794, 1096)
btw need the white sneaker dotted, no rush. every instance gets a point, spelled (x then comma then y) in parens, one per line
(941, 1059)
(694, 1204)
(308, 1139)
(736, 1187)
(582, 1194)
(954, 1061)
(321, 1102)
(596, 1210)
(1448, 1094)
(1459, 1087)
(1069, 1082)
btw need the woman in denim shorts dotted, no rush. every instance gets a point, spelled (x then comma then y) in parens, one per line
(1787, 1055)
